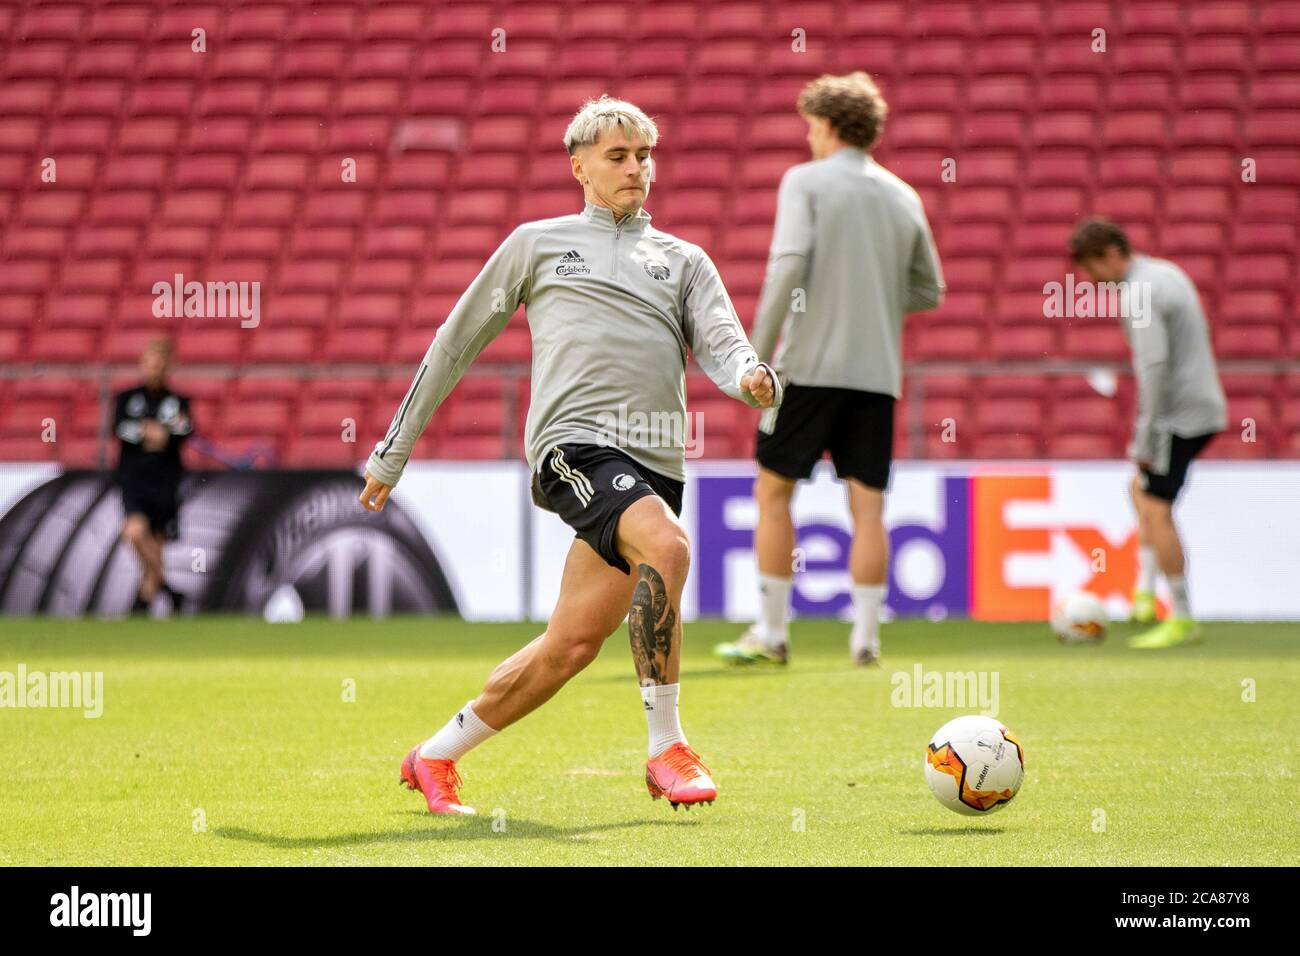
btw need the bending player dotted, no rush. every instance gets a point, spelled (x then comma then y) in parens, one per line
(1180, 408)
(853, 238)
(612, 305)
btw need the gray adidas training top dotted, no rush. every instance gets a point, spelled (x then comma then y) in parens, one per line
(854, 238)
(1178, 383)
(612, 309)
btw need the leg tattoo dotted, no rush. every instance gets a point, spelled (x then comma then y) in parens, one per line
(650, 626)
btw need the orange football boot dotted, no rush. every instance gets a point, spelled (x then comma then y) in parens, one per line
(436, 779)
(678, 774)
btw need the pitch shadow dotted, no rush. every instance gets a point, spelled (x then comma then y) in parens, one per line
(451, 829)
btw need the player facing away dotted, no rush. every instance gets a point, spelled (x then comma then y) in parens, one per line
(612, 306)
(851, 255)
(151, 423)
(1180, 408)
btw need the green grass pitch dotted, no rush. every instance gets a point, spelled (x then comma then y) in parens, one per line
(228, 741)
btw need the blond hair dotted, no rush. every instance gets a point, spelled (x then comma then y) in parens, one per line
(598, 117)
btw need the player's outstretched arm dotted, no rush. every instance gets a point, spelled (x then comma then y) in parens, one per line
(480, 315)
(719, 342)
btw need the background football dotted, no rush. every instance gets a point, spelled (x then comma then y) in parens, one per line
(1080, 619)
(974, 765)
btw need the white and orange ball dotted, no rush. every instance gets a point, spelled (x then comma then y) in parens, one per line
(1080, 619)
(974, 765)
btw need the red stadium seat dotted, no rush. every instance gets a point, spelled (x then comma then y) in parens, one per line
(1208, 128)
(1005, 56)
(1008, 446)
(1000, 92)
(74, 346)
(969, 275)
(367, 343)
(1218, 53)
(1264, 237)
(946, 341)
(1075, 446)
(217, 345)
(931, 93)
(1147, 54)
(1201, 204)
(1193, 237)
(1204, 166)
(1059, 168)
(330, 416)
(981, 205)
(1077, 130)
(1026, 341)
(319, 452)
(1213, 91)
(993, 129)
(1151, 92)
(1248, 341)
(1269, 204)
(269, 419)
(1135, 129)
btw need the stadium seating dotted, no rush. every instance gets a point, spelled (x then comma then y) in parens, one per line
(231, 165)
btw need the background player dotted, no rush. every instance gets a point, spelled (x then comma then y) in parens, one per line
(1180, 408)
(151, 422)
(612, 305)
(851, 254)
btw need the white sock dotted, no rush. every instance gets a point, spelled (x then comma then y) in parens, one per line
(661, 715)
(462, 734)
(1178, 590)
(774, 601)
(1147, 568)
(867, 599)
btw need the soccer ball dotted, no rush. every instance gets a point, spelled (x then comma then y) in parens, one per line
(1079, 619)
(974, 765)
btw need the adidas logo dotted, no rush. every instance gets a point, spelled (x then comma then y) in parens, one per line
(572, 264)
(460, 720)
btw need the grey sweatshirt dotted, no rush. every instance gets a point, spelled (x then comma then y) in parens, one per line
(854, 238)
(612, 309)
(1178, 382)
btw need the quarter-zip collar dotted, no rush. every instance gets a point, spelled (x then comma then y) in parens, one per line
(851, 154)
(604, 216)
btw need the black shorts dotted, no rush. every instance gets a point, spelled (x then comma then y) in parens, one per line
(1181, 452)
(856, 426)
(589, 486)
(157, 501)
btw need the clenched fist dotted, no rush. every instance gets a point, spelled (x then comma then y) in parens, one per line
(761, 384)
(375, 494)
